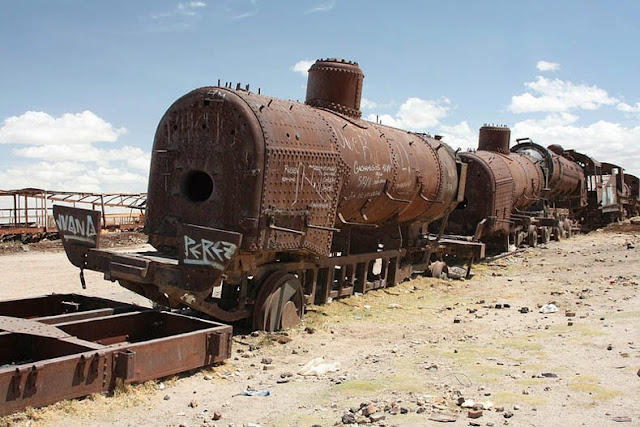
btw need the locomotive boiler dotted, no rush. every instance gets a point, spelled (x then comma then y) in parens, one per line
(257, 205)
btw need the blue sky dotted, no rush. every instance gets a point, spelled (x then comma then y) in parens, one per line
(84, 84)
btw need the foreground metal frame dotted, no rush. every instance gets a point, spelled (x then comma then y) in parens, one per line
(77, 345)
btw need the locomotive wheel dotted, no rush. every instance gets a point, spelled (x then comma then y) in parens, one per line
(545, 235)
(557, 234)
(437, 268)
(519, 237)
(533, 236)
(280, 303)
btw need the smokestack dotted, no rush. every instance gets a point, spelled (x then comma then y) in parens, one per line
(335, 84)
(494, 138)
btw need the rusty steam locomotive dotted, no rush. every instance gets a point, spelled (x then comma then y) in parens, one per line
(258, 206)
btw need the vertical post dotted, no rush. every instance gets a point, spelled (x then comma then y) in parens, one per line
(15, 211)
(45, 212)
(26, 211)
(104, 215)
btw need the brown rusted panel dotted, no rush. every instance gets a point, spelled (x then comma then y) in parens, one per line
(532, 181)
(489, 193)
(302, 175)
(206, 168)
(565, 178)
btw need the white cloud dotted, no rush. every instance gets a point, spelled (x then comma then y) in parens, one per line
(39, 128)
(303, 66)
(626, 108)
(547, 66)
(415, 114)
(182, 17)
(134, 157)
(366, 104)
(558, 95)
(323, 6)
(69, 160)
(460, 135)
(72, 176)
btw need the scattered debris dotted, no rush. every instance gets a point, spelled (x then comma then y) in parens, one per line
(318, 366)
(548, 308)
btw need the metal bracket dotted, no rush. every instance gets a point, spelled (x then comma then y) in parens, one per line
(125, 364)
(393, 199)
(358, 224)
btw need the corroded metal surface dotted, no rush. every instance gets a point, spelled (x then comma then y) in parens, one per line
(66, 358)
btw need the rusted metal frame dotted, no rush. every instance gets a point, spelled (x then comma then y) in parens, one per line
(84, 367)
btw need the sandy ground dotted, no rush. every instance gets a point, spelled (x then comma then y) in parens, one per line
(409, 354)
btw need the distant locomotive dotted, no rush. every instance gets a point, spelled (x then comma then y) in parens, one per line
(510, 191)
(258, 206)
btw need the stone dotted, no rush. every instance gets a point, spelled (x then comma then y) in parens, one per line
(622, 419)
(570, 313)
(524, 310)
(268, 367)
(361, 419)
(378, 416)
(443, 418)
(216, 415)
(348, 419)
(266, 361)
(508, 414)
(193, 404)
(369, 409)
(475, 413)
(549, 375)
(166, 397)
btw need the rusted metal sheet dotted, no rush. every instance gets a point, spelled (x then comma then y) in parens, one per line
(57, 308)
(39, 367)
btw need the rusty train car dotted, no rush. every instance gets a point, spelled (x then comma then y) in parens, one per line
(258, 206)
(514, 194)
(529, 193)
